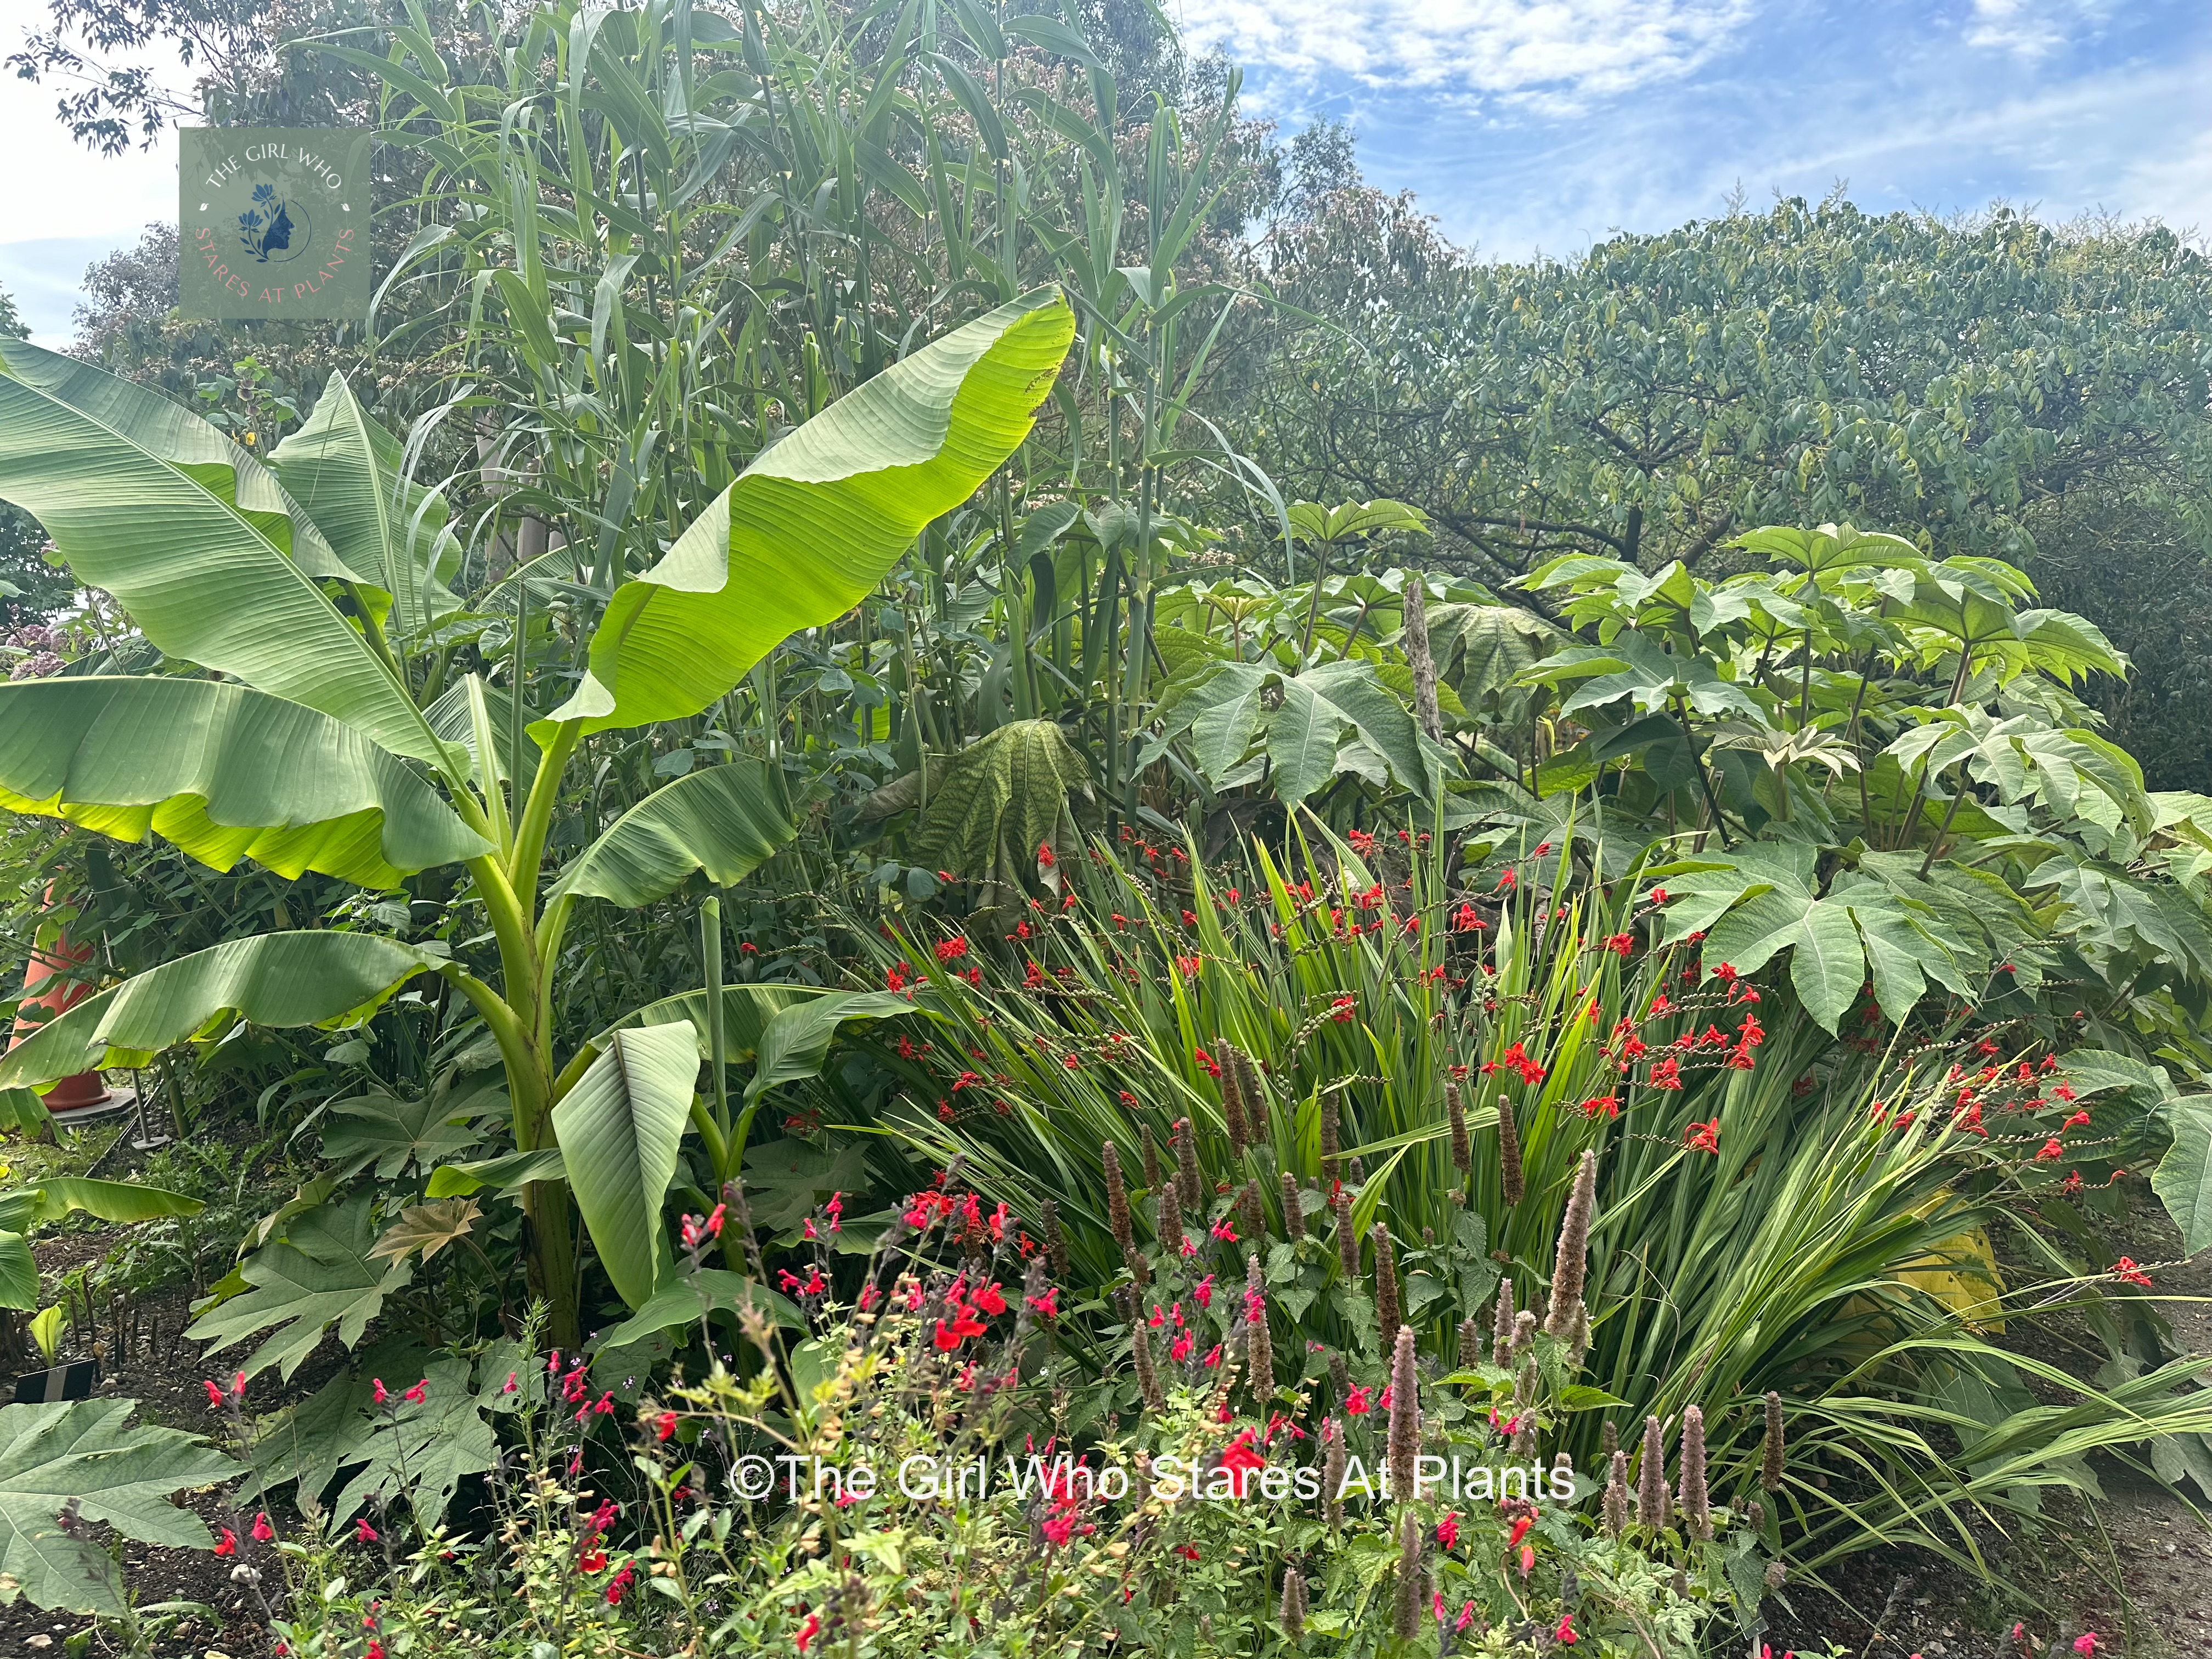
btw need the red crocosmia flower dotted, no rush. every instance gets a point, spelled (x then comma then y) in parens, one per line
(1667, 1073)
(2126, 1268)
(1045, 860)
(1703, 1137)
(2052, 1150)
(263, 1531)
(2079, 1121)
(227, 1544)
(1344, 1010)
(1620, 944)
(1608, 1104)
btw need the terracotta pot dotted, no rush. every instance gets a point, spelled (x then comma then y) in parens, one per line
(85, 1088)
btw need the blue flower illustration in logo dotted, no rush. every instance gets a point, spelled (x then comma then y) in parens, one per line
(270, 229)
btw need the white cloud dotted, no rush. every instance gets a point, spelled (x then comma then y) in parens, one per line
(1553, 55)
(2027, 28)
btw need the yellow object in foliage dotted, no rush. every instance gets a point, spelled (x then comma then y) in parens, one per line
(1961, 1273)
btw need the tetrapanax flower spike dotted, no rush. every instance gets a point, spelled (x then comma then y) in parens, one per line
(1259, 1351)
(1501, 1329)
(1697, 1507)
(1565, 1318)
(1151, 1161)
(1470, 1343)
(1294, 1221)
(1170, 1218)
(1347, 1241)
(1055, 1238)
(1252, 1211)
(1332, 1475)
(1389, 1310)
(1294, 1604)
(1616, 1495)
(1329, 1173)
(1193, 1184)
(1462, 1149)
(1148, 1378)
(1509, 1152)
(1405, 1438)
(1407, 1609)
(1232, 1103)
(1651, 1496)
(1769, 1462)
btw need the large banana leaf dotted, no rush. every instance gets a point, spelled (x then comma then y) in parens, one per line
(193, 538)
(723, 819)
(275, 979)
(620, 1127)
(110, 1200)
(225, 772)
(348, 473)
(809, 528)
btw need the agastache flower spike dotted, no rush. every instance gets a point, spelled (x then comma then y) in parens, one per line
(1347, 1241)
(1696, 1509)
(1294, 1604)
(1462, 1149)
(1509, 1152)
(1501, 1330)
(1193, 1192)
(1407, 1609)
(1259, 1350)
(1388, 1307)
(1616, 1496)
(1117, 1215)
(1294, 1223)
(1332, 1470)
(1652, 1499)
(1769, 1465)
(1232, 1103)
(1405, 1436)
(1568, 1320)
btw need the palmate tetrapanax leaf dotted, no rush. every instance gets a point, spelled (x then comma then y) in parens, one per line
(321, 1273)
(993, 804)
(86, 1452)
(225, 773)
(194, 538)
(620, 1127)
(427, 1446)
(427, 1228)
(725, 820)
(809, 528)
(392, 1131)
(309, 978)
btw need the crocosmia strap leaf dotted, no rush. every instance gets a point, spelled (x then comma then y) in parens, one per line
(192, 537)
(318, 978)
(225, 772)
(814, 523)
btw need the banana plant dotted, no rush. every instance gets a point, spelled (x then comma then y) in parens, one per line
(313, 752)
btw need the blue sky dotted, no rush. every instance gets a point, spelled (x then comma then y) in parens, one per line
(1549, 124)
(1542, 123)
